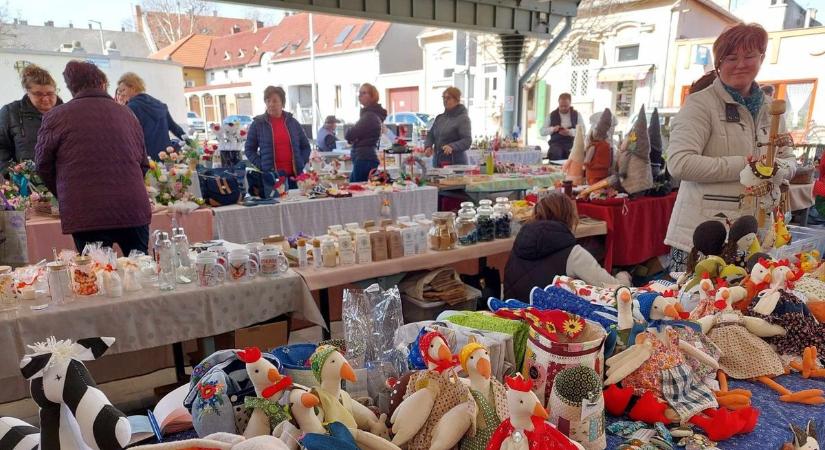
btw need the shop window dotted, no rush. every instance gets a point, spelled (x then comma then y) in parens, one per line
(627, 53)
(624, 98)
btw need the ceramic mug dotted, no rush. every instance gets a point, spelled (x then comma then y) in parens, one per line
(273, 262)
(241, 252)
(254, 248)
(242, 267)
(209, 269)
(221, 252)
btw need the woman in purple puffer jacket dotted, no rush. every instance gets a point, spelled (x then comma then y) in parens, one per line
(90, 154)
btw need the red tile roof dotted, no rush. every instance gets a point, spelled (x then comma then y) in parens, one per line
(217, 86)
(190, 51)
(289, 39)
(208, 25)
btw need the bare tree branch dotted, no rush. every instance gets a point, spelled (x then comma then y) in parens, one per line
(173, 19)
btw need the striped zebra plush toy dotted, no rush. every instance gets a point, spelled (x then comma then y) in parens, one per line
(74, 413)
(18, 435)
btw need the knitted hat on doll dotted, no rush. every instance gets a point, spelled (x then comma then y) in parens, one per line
(465, 353)
(318, 359)
(633, 159)
(646, 303)
(654, 131)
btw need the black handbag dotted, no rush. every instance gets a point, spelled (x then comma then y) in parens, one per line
(220, 188)
(262, 184)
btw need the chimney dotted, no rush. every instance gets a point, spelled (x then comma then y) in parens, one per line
(90, 26)
(49, 23)
(16, 21)
(214, 13)
(122, 28)
(236, 29)
(810, 16)
(259, 23)
(138, 19)
(71, 25)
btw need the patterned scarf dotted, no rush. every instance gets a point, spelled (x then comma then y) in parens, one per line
(753, 101)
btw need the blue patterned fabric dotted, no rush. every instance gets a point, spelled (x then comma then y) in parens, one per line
(558, 298)
(772, 429)
(753, 102)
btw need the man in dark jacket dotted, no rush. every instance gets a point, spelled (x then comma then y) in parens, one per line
(561, 126)
(152, 113)
(366, 133)
(326, 140)
(20, 120)
(90, 155)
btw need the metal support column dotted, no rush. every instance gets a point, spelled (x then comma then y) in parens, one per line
(512, 48)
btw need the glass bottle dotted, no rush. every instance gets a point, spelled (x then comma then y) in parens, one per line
(484, 221)
(443, 235)
(503, 217)
(182, 261)
(166, 262)
(466, 225)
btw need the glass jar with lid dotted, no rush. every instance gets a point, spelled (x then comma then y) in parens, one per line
(443, 235)
(84, 278)
(8, 295)
(484, 221)
(60, 282)
(466, 227)
(503, 217)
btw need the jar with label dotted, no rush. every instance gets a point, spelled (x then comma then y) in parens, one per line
(502, 217)
(329, 253)
(8, 296)
(84, 279)
(443, 235)
(484, 221)
(466, 225)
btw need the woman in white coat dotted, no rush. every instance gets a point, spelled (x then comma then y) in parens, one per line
(715, 132)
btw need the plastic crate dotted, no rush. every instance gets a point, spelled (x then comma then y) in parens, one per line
(416, 310)
(805, 239)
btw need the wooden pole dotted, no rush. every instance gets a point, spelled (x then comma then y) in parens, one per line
(776, 110)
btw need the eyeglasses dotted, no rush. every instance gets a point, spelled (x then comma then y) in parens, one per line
(363, 93)
(43, 94)
(446, 97)
(736, 59)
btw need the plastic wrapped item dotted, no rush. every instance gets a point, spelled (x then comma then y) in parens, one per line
(443, 235)
(84, 278)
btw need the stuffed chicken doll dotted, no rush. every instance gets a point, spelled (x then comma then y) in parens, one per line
(598, 158)
(574, 166)
(270, 386)
(762, 183)
(526, 428)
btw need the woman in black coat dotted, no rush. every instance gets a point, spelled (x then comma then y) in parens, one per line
(366, 133)
(20, 120)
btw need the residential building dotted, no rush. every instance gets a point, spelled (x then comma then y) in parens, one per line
(347, 52)
(91, 39)
(775, 15)
(156, 26)
(190, 52)
(794, 65)
(617, 57)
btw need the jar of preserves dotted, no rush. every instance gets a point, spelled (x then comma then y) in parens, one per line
(8, 295)
(443, 235)
(503, 217)
(466, 225)
(84, 278)
(484, 221)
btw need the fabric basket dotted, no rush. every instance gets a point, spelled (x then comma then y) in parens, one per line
(577, 407)
(295, 360)
(544, 359)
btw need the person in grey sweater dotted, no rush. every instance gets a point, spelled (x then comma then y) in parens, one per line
(450, 135)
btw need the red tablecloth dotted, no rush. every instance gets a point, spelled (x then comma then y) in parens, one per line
(635, 228)
(44, 233)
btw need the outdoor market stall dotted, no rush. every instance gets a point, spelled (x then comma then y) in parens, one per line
(527, 156)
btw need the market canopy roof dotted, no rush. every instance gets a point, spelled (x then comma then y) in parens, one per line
(611, 74)
(536, 18)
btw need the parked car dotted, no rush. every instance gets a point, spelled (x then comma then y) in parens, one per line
(195, 122)
(416, 119)
(244, 121)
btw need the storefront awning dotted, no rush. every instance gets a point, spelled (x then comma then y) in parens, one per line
(611, 74)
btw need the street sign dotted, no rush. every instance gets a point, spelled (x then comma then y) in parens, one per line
(588, 49)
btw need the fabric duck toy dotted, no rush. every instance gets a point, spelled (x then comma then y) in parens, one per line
(488, 393)
(526, 428)
(745, 354)
(758, 280)
(269, 385)
(656, 362)
(329, 368)
(438, 409)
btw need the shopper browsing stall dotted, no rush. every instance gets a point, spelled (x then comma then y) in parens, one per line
(152, 113)
(276, 140)
(713, 135)
(451, 134)
(546, 247)
(20, 120)
(326, 139)
(96, 176)
(366, 134)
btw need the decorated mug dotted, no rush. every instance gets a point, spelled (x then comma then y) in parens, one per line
(221, 252)
(273, 262)
(241, 252)
(210, 271)
(242, 267)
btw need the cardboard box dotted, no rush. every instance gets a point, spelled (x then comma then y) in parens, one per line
(378, 242)
(264, 336)
(395, 243)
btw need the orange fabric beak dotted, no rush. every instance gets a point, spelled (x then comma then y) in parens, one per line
(444, 353)
(671, 311)
(790, 276)
(347, 373)
(273, 375)
(309, 400)
(625, 296)
(539, 411)
(483, 368)
(767, 278)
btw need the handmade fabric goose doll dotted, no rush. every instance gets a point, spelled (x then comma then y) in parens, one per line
(526, 428)
(270, 386)
(438, 409)
(488, 393)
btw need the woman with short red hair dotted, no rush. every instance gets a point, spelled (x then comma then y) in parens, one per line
(713, 135)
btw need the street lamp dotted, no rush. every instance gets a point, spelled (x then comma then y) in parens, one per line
(100, 28)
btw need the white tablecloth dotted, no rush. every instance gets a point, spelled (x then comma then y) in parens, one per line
(523, 157)
(242, 224)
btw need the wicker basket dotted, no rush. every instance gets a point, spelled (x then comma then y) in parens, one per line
(804, 175)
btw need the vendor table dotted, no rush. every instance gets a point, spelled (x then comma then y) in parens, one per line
(525, 157)
(242, 224)
(636, 228)
(322, 279)
(44, 233)
(151, 318)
